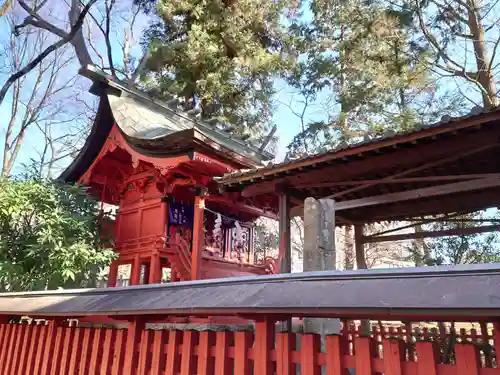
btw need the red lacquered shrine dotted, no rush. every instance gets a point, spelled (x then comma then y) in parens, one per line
(156, 163)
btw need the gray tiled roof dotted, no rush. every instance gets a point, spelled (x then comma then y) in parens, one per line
(464, 290)
(143, 117)
(270, 167)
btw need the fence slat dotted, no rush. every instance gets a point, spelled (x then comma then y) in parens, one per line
(144, 348)
(158, 359)
(206, 364)
(67, 349)
(10, 348)
(264, 342)
(107, 351)
(364, 351)
(188, 360)
(57, 351)
(426, 362)
(242, 343)
(49, 347)
(222, 363)
(467, 359)
(134, 332)
(173, 359)
(394, 356)
(3, 330)
(310, 347)
(33, 350)
(95, 350)
(86, 345)
(7, 335)
(336, 348)
(18, 348)
(4, 337)
(118, 355)
(40, 349)
(21, 370)
(76, 351)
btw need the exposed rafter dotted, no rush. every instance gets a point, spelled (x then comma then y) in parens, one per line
(427, 153)
(432, 191)
(331, 184)
(431, 234)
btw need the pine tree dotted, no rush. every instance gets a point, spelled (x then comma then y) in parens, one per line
(220, 56)
(362, 54)
(463, 36)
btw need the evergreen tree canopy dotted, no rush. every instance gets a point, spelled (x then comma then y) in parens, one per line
(361, 54)
(220, 56)
(49, 236)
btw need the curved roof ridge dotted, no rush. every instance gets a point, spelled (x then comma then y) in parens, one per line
(101, 78)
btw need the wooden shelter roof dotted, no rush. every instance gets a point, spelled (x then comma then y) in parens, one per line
(154, 128)
(448, 167)
(430, 293)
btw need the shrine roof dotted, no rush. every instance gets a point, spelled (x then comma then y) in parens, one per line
(450, 167)
(446, 292)
(448, 124)
(152, 127)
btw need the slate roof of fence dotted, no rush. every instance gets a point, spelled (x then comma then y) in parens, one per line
(467, 291)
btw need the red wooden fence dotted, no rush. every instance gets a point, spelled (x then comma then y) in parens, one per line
(57, 349)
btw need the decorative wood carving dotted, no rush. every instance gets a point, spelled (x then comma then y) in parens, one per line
(135, 162)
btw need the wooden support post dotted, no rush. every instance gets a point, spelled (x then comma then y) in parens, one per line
(135, 278)
(198, 237)
(360, 248)
(155, 269)
(113, 274)
(285, 250)
(365, 327)
(319, 253)
(164, 215)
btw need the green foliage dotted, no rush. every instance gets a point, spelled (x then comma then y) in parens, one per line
(361, 55)
(49, 236)
(470, 249)
(220, 56)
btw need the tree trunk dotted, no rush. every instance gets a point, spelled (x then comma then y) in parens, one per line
(78, 41)
(484, 75)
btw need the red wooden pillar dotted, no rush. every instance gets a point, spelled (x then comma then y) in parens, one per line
(198, 236)
(134, 333)
(264, 343)
(135, 278)
(285, 250)
(155, 269)
(113, 274)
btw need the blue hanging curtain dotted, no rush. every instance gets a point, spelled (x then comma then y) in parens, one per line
(180, 214)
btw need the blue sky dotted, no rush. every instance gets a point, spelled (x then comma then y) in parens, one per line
(288, 124)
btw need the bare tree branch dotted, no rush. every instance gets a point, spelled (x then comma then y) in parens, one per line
(31, 65)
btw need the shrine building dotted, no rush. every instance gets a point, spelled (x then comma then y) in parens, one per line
(156, 163)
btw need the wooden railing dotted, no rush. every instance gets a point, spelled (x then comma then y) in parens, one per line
(55, 348)
(181, 259)
(464, 338)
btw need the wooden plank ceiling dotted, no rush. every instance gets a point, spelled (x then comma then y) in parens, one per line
(445, 168)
